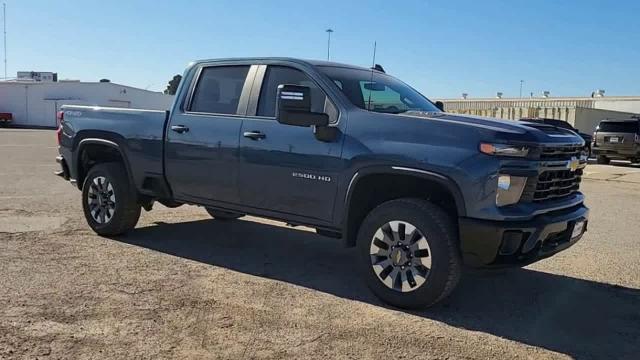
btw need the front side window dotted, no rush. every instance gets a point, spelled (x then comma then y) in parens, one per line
(218, 89)
(375, 91)
(278, 75)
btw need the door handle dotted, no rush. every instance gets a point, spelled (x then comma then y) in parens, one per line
(254, 135)
(179, 128)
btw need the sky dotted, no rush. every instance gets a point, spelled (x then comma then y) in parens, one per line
(442, 48)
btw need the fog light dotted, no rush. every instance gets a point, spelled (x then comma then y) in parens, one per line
(504, 182)
(509, 189)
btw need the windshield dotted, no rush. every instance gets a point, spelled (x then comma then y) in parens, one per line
(376, 91)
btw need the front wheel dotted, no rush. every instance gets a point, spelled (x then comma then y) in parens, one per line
(408, 253)
(109, 200)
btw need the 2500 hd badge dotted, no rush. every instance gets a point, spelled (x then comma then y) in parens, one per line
(311, 176)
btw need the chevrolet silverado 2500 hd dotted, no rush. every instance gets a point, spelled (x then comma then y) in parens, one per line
(352, 152)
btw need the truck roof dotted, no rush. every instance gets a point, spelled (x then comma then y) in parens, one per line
(297, 60)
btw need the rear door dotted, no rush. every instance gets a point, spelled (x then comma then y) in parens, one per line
(201, 156)
(286, 169)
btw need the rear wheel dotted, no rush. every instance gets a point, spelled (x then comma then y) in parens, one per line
(223, 215)
(603, 159)
(109, 200)
(408, 254)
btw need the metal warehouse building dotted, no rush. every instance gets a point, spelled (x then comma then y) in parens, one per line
(584, 113)
(36, 103)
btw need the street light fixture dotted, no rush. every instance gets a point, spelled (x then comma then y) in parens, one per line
(328, 31)
(521, 82)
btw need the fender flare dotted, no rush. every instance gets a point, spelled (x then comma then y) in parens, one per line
(358, 175)
(99, 141)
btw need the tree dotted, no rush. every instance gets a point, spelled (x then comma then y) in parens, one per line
(172, 87)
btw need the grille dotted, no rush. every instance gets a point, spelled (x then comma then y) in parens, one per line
(556, 181)
(560, 153)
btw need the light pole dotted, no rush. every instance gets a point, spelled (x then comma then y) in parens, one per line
(521, 82)
(4, 24)
(329, 31)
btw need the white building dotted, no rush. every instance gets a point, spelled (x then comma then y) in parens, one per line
(36, 103)
(582, 112)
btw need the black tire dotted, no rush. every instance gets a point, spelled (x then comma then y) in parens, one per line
(126, 210)
(601, 159)
(223, 215)
(437, 227)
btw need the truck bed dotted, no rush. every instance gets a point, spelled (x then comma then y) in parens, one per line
(139, 133)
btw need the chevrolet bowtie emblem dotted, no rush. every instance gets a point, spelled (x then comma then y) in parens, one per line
(573, 164)
(398, 257)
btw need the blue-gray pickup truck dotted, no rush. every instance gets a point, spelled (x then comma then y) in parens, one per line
(352, 152)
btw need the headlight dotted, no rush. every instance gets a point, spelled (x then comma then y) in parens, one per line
(509, 189)
(504, 150)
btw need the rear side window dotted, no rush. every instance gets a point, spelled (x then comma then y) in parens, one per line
(621, 126)
(218, 89)
(277, 75)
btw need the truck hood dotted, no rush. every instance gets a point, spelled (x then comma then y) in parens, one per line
(537, 132)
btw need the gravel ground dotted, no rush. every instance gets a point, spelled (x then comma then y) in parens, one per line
(185, 286)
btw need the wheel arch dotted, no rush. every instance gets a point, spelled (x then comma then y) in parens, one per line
(367, 180)
(109, 144)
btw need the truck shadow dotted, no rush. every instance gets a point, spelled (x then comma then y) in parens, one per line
(580, 318)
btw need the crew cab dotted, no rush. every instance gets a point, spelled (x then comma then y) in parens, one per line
(352, 152)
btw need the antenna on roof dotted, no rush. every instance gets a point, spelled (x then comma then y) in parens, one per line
(378, 67)
(373, 65)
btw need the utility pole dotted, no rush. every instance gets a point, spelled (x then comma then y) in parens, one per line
(329, 31)
(521, 82)
(4, 22)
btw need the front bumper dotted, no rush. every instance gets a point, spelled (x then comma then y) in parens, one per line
(516, 243)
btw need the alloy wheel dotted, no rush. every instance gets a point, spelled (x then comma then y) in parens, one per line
(400, 256)
(101, 200)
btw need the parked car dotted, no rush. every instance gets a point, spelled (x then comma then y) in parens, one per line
(565, 125)
(5, 119)
(617, 139)
(352, 152)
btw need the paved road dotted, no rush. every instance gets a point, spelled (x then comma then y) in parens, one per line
(185, 286)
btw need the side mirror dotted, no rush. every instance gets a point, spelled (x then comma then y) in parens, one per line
(439, 105)
(294, 107)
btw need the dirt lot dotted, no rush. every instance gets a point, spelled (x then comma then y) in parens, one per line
(185, 286)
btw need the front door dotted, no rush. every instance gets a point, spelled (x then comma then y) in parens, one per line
(284, 168)
(202, 141)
